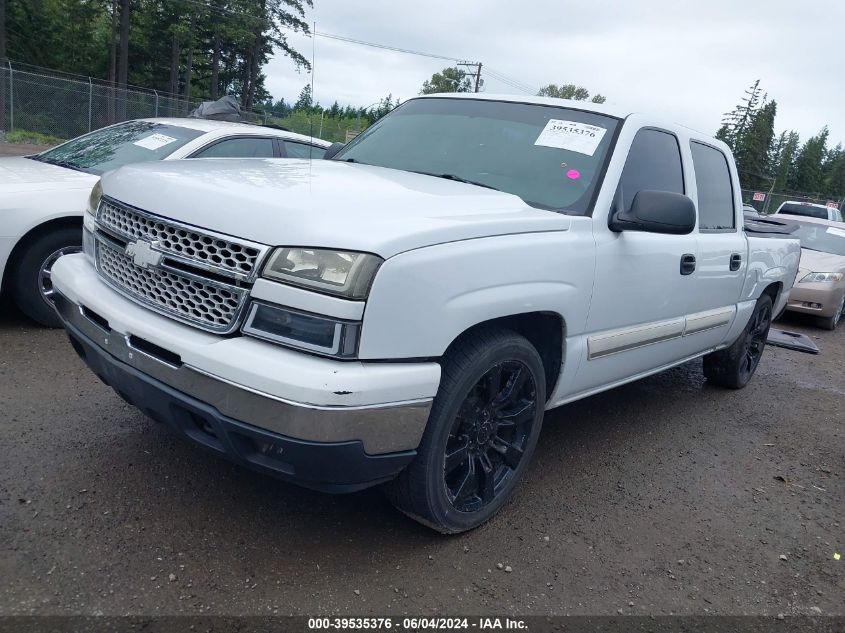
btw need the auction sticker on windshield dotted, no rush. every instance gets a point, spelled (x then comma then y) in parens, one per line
(571, 135)
(154, 141)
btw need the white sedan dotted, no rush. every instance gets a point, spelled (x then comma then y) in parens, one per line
(43, 197)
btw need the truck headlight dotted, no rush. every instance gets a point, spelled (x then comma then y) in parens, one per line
(821, 277)
(94, 198)
(340, 273)
(300, 330)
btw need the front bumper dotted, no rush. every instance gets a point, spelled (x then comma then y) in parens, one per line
(360, 424)
(820, 299)
(327, 466)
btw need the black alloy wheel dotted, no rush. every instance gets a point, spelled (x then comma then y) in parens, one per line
(755, 342)
(489, 435)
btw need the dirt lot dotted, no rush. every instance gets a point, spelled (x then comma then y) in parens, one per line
(664, 496)
(14, 149)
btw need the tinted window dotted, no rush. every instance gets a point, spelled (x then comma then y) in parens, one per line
(551, 157)
(715, 192)
(239, 148)
(807, 210)
(118, 145)
(654, 163)
(303, 150)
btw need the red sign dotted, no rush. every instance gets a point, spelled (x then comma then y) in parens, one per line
(759, 196)
(833, 205)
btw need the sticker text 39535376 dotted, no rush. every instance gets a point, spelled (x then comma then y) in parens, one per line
(571, 135)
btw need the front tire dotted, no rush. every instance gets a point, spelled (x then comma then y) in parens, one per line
(734, 366)
(831, 322)
(480, 436)
(32, 285)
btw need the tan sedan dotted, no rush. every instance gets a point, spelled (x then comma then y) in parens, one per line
(820, 286)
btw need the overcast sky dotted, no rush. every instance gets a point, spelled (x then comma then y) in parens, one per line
(688, 61)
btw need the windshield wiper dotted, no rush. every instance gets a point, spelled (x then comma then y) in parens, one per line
(460, 179)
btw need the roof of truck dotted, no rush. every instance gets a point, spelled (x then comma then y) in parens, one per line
(602, 108)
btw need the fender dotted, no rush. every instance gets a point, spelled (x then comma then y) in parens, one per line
(462, 284)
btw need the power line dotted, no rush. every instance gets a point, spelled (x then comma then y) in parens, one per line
(508, 83)
(497, 75)
(343, 38)
(333, 36)
(514, 83)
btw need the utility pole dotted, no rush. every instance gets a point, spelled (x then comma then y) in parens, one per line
(476, 74)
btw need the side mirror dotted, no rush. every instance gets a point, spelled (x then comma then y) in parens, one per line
(334, 148)
(657, 212)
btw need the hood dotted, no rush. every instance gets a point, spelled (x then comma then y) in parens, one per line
(324, 203)
(18, 173)
(818, 262)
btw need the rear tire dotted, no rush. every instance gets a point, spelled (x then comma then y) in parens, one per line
(734, 366)
(31, 284)
(481, 434)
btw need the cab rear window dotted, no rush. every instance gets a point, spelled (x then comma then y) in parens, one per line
(805, 210)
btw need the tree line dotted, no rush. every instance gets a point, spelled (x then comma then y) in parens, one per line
(454, 79)
(768, 160)
(190, 48)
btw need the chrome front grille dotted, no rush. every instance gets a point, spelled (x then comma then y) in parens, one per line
(171, 238)
(186, 273)
(209, 306)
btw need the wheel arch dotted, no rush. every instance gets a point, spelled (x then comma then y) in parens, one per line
(545, 330)
(774, 290)
(31, 236)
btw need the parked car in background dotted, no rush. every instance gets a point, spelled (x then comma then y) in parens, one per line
(408, 310)
(809, 210)
(820, 286)
(43, 196)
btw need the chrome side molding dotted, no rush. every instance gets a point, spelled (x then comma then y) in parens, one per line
(625, 339)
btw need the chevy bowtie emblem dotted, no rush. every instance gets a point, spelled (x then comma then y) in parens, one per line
(143, 255)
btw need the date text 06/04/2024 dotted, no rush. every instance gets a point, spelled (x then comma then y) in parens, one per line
(417, 623)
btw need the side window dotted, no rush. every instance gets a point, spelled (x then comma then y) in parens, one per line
(303, 150)
(715, 190)
(239, 148)
(654, 162)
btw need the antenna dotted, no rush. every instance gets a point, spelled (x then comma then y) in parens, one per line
(311, 115)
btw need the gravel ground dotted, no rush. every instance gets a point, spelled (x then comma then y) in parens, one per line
(663, 496)
(16, 149)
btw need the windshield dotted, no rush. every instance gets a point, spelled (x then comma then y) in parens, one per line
(549, 156)
(821, 237)
(118, 145)
(804, 209)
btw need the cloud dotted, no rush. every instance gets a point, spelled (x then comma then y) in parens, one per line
(686, 60)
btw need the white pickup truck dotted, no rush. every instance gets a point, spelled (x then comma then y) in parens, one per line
(406, 312)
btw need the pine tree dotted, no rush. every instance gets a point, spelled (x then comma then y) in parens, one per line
(834, 172)
(784, 163)
(305, 99)
(807, 177)
(753, 147)
(735, 123)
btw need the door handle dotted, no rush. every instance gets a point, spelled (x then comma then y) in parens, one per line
(687, 264)
(736, 261)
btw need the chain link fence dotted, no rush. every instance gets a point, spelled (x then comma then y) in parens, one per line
(60, 106)
(46, 106)
(772, 200)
